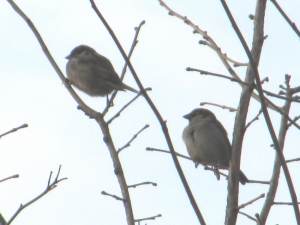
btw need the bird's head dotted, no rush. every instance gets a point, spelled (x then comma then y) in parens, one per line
(200, 113)
(80, 51)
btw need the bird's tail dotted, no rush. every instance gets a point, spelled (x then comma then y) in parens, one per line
(242, 178)
(126, 87)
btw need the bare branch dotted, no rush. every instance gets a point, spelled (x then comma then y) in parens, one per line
(142, 183)
(248, 216)
(251, 201)
(126, 105)
(254, 119)
(230, 109)
(166, 151)
(14, 130)
(284, 203)
(292, 160)
(133, 138)
(10, 177)
(147, 218)
(50, 186)
(113, 196)
(133, 45)
(288, 20)
(204, 72)
(265, 111)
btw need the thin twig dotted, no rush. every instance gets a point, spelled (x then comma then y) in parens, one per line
(125, 106)
(142, 183)
(230, 109)
(285, 16)
(284, 203)
(248, 216)
(133, 138)
(292, 160)
(251, 201)
(253, 120)
(14, 129)
(147, 218)
(10, 177)
(50, 186)
(166, 151)
(113, 196)
(205, 72)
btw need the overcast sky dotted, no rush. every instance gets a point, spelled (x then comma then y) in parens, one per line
(58, 133)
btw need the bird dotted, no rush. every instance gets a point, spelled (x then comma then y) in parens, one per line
(93, 73)
(207, 142)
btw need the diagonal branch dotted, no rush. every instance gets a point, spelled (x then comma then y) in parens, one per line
(285, 16)
(162, 122)
(14, 130)
(50, 186)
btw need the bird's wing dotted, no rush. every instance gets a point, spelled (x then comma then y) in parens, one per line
(222, 129)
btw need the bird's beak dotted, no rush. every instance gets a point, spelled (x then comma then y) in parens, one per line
(68, 57)
(187, 116)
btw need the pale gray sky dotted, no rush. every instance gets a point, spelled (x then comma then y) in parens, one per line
(58, 133)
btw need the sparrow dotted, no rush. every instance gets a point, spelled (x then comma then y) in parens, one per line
(207, 142)
(92, 73)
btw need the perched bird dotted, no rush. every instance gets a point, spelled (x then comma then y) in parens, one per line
(92, 73)
(207, 142)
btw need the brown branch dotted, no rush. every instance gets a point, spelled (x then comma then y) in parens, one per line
(253, 120)
(147, 218)
(166, 151)
(204, 72)
(113, 196)
(133, 138)
(285, 203)
(142, 183)
(162, 122)
(292, 160)
(14, 130)
(285, 16)
(50, 186)
(10, 177)
(248, 216)
(251, 201)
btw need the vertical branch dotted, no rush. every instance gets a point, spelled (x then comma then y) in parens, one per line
(276, 168)
(240, 119)
(268, 121)
(161, 121)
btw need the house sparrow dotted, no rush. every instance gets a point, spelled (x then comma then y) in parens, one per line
(207, 142)
(92, 73)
